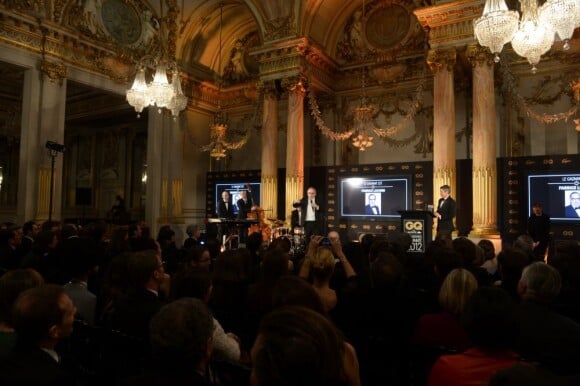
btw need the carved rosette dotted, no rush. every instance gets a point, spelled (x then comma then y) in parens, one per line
(53, 71)
(479, 55)
(441, 59)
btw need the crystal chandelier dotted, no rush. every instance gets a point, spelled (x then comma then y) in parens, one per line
(533, 34)
(159, 92)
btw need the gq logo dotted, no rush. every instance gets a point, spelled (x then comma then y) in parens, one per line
(412, 225)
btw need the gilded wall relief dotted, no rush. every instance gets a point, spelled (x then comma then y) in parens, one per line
(128, 24)
(242, 66)
(383, 29)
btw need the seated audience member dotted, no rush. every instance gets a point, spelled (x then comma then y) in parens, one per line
(293, 291)
(471, 258)
(197, 257)
(132, 311)
(297, 346)
(565, 260)
(490, 262)
(197, 284)
(525, 243)
(511, 263)
(42, 317)
(12, 284)
(181, 342)
(81, 263)
(444, 329)
(10, 240)
(544, 335)
(41, 256)
(321, 265)
(194, 235)
(488, 321)
(30, 230)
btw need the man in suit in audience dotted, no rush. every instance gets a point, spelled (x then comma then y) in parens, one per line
(132, 312)
(544, 335)
(42, 317)
(445, 212)
(181, 341)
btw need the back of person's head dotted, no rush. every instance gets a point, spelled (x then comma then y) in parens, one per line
(488, 318)
(525, 375)
(44, 241)
(467, 250)
(191, 229)
(79, 256)
(292, 290)
(180, 334)
(511, 263)
(37, 310)
(380, 245)
(488, 249)
(540, 282)
(165, 234)
(12, 284)
(28, 227)
(141, 267)
(366, 241)
(68, 230)
(274, 265)
(191, 283)
(446, 260)
(386, 272)
(282, 243)
(456, 289)
(524, 243)
(322, 263)
(253, 242)
(296, 346)
(194, 255)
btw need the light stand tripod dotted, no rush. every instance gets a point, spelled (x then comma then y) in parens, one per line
(53, 150)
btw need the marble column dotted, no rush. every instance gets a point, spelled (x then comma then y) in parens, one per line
(156, 202)
(174, 153)
(294, 142)
(43, 119)
(269, 179)
(441, 63)
(484, 172)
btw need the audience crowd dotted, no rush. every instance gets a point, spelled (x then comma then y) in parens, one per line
(108, 304)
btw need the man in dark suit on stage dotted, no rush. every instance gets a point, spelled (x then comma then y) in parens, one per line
(225, 208)
(311, 215)
(445, 212)
(245, 206)
(573, 210)
(371, 208)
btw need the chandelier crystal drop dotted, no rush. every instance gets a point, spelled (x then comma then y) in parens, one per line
(550, 14)
(496, 26)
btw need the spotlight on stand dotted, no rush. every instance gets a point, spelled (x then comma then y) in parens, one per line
(57, 147)
(53, 150)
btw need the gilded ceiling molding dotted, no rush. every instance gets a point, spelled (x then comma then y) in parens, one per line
(441, 59)
(280, 27)
(479, 55)
(281, 59)
(450, 24)
(207, 95)
(55, 72)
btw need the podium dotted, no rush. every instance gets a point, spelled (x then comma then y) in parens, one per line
(419, 225)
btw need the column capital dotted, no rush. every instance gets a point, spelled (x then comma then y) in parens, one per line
(268, 89)
(441, 59)
(479, 55)
(295, 84)
(55, 72)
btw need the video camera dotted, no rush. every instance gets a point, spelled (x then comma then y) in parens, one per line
(50, 145)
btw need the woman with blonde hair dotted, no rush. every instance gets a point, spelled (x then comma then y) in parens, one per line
(442, 332)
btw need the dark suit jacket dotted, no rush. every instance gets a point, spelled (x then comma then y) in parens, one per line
(222, 212)
(31, 366)
(369, 210)
(447, 212)
(570, 212)
(131, 313)
(244, 207)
